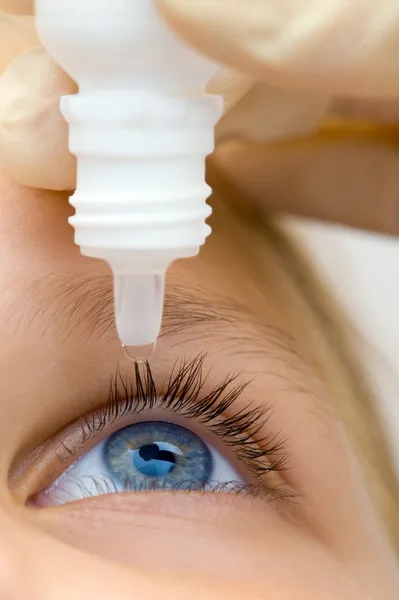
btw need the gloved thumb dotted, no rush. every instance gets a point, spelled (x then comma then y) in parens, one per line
(333, 46)
(33, 133)
(16, 35)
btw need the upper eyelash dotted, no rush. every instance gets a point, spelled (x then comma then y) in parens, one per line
(183, 395)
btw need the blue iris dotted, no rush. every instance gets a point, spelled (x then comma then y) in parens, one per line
(158, 455)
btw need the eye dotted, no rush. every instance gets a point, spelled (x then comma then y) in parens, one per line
(150, 455)
(183, 435)
(158, 454)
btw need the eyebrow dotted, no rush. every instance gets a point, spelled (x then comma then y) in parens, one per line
(83, 302)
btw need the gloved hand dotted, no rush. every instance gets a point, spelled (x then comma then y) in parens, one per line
(33, 134)
(333, 46)
(17, 7)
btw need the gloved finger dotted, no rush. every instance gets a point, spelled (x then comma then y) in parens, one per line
(17, 34)
(17, 7)
(378, 110)
(336, 176)
(336, 46)
(268, 113)
(33, 133)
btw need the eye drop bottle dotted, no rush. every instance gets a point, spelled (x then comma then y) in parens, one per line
(141, 127)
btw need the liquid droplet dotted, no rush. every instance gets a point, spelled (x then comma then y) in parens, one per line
(139, 354)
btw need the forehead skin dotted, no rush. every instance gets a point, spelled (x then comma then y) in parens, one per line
(49, 378)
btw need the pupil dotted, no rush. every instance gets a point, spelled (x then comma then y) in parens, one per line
(152, 452)
(152, 461)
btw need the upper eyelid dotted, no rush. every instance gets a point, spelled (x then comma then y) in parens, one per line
(186, 381)
(270, 343)
(185, 394)
(266, 453)
(81, 302)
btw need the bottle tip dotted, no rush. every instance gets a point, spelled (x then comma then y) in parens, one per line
(138, 311)
(139, 354)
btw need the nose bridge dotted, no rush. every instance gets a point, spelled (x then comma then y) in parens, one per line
(36, 566)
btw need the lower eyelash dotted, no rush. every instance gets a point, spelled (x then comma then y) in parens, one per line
(184, 395)
(104, 485)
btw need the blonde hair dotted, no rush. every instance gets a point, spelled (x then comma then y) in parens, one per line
(327, 337)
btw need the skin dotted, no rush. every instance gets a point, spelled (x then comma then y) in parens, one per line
(327, 544)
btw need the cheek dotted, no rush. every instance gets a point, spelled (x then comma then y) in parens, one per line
(247, 547)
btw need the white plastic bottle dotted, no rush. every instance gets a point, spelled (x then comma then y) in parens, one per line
(141, 127)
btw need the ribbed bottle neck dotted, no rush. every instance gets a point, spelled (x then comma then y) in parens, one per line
(141, 172)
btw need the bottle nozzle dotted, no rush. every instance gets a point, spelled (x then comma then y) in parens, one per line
(138, 307)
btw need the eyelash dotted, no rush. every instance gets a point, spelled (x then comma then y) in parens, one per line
(184, 395)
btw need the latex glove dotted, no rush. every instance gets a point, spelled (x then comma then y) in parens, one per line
(17, 7)
(33, 139)
(336, 46)
(331, 47)
(33, 134)
(346, 173)
(17, 34)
